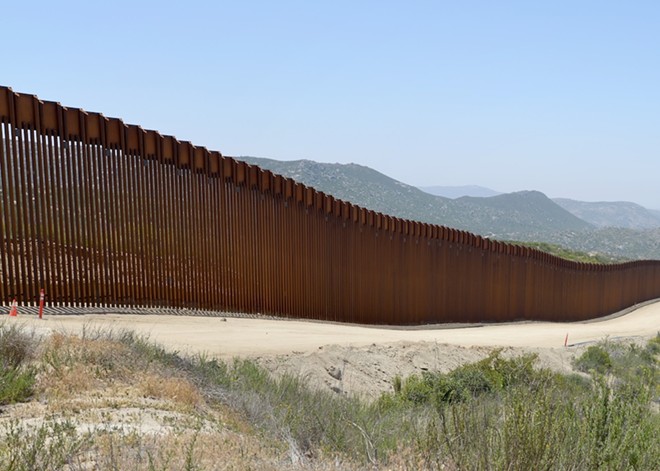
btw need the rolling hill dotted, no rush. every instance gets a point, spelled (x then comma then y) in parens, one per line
(528, 216)
(454, 192)
(521, 215)
(612, 214)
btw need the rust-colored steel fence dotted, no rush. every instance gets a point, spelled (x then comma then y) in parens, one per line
(101, 213)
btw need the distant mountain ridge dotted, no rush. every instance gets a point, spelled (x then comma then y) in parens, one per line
(524, 216)
(454, 192)
(612, 214)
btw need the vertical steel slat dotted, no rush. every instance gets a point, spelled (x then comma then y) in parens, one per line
(91, 128)
(190, 276)
(17, 198)
(247, 252)
(124, 227)
(145, 245)
(150, 208)
(35, 200)
(236, 250)
(227, 222)
(51, 284)
(274, 277)
(255, 251)
(251, 249)
(285, 259)
(200, 241)
(206, 202)
(206, 198)
(45, 224)
(108, 224)
(80, 221)
(232, 229)
(115, 201)
(89, 247)
(141, 248)
(74, 204)
(156, 223)
(69, 207)
(195, 240)
(25, 118)
(131, 230)
(160, 229)
(177, 240)
(139, 251)
(221, 250)
(185, 269)
(134, 236)
(192, 294)
(100, 281)
(34, 203)
(174, 247)
(216, 235)
(261, 228)
(5, 254)
(165, 195)
(83, 207)
(59, 219)
(150, 283)
(56, 293)
(234, 210)
(19, 215)
(162, 226)
(8, 272)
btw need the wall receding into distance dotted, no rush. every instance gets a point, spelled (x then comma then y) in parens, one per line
(106, 214)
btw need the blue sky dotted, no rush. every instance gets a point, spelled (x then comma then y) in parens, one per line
(557, 96)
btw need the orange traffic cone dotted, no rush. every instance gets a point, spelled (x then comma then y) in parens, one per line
(13, 312)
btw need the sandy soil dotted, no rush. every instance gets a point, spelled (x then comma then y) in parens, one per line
(359, 359)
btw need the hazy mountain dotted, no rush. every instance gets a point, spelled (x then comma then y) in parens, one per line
(454, 192)
(522, 215)
(616, 241)
(612, 214)
(527, 214)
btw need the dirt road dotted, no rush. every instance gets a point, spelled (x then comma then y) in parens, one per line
(349, 358)
(255, 337)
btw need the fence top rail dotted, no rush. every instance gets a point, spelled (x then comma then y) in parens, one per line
(28, 112)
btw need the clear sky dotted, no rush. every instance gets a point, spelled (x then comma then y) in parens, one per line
(557, 96)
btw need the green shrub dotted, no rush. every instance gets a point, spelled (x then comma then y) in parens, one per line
(16, 385)
(16, 379)
(16, 346)
(653, 345)
(595, 359)
(51, 446)
(489, 375)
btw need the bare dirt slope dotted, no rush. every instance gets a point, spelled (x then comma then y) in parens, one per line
(359, 359)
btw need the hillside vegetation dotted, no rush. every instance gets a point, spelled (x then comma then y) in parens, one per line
(113, 400)
(612, 214)
(527, 216)
(512, 216)
(567, 254)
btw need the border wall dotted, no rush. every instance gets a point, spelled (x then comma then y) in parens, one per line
(100, 213)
